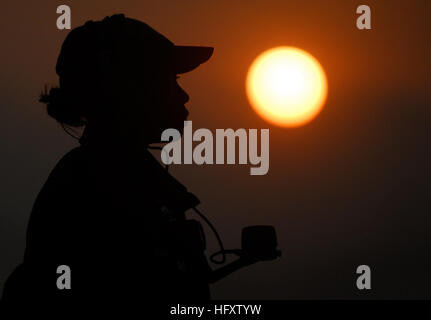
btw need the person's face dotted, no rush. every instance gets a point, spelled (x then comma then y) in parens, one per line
(154, 108)
(172, 110)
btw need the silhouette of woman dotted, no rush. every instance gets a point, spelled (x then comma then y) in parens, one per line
(104, 209)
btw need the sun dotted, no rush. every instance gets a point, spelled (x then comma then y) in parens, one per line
(286, 86)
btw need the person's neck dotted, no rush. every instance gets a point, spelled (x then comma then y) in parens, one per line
(108, 140)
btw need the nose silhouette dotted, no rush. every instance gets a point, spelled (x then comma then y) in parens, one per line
(184, 96)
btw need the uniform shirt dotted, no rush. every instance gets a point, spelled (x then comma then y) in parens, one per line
(115, 218)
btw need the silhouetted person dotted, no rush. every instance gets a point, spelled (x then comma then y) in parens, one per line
(104, 209)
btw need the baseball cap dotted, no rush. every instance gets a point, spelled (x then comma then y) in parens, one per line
(89, 48)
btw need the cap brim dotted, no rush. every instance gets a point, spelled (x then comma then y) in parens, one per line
(188, 58)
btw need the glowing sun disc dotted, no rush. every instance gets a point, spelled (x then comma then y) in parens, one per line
(286, 86)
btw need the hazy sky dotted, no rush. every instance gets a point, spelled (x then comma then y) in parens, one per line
(347, 189)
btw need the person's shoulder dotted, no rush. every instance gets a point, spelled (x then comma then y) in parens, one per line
(76, 154)
(58, 197)
(71, 162)
(68, 170)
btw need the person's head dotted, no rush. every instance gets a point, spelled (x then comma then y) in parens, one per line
(119, 76)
